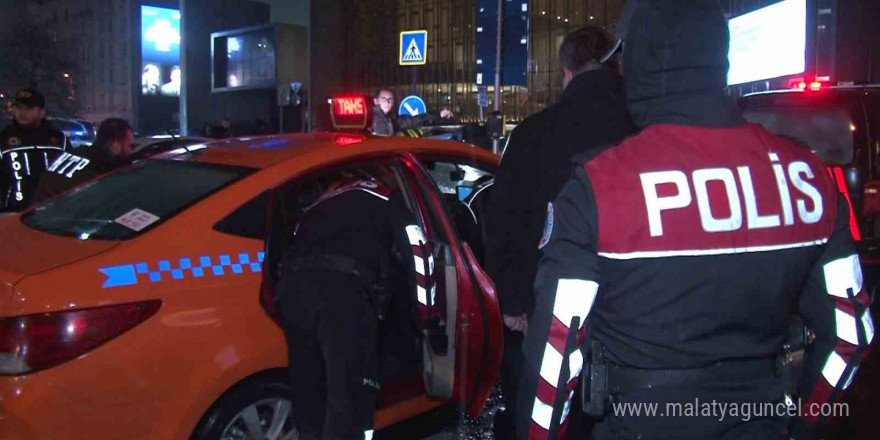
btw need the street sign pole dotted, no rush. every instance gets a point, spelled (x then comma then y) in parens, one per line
(496, 143)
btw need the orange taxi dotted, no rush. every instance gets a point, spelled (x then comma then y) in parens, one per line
(130, 308)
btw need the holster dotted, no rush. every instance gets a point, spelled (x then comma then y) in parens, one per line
(797, 338)
(594, 381)
(379, 296)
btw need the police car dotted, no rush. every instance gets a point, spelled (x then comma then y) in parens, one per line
(130, 307)
(79, 132)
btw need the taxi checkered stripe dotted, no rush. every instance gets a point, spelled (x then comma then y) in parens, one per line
(164, 270)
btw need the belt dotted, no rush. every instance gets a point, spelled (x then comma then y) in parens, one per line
(339, 263)
(621, 378)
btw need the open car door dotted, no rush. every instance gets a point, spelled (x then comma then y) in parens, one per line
(462, 326)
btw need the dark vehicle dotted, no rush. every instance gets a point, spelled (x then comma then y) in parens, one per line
(142, 148)
(842, 126)
(79, 133)
(470, 133)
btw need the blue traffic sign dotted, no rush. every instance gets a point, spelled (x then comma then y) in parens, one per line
(413, 48)
(412, 106)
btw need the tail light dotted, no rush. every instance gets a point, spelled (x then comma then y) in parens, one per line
(35, 342)
(837, 174)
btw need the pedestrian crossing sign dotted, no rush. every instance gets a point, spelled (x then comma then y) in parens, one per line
(413, 48)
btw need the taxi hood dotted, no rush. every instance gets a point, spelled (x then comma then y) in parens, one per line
(25, 251)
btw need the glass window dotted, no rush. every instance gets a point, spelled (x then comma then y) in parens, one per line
(248, 221)
(826, 131)
(454, 177)
(147, 193)
(464, 187)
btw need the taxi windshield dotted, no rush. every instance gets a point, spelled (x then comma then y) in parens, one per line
(125, 204)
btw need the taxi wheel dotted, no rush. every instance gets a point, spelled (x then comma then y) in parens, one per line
(255, 409)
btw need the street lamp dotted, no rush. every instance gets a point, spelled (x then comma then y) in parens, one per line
(66, 75)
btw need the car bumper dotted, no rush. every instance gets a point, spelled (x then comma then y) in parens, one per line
(39, 407)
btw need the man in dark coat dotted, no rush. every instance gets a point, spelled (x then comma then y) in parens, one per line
(387, 123)
(111, 150)
(590, 116)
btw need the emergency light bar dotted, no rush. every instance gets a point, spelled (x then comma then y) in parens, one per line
(349, 112)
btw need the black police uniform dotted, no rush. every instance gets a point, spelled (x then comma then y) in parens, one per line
(590, 116)
(25, 153)
(340, 249)
(70, 170)
(680, 256)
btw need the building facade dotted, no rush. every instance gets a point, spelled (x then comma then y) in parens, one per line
(368, 59)
(96, 35)
(842, 45)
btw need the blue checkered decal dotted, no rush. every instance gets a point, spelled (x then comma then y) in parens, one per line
(165, 270)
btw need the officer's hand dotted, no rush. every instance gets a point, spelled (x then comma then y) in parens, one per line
(517, 323)
(446, 114)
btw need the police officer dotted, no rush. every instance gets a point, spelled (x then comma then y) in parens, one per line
(590, 116)
(329, 305)
(387, 123)
(27, 146)
(111, 150)
(680, 256)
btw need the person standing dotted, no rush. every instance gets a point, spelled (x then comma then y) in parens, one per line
(27, 147)
(676, 261)
(111, 150)
(536, 163)
(386, 123)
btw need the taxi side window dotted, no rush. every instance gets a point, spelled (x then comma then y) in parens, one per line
(461, 184)
(248, 221)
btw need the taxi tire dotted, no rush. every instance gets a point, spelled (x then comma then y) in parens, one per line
(236, 399)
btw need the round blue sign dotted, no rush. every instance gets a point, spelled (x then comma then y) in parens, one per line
(412, 106)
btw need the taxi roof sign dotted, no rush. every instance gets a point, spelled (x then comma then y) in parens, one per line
(413, 48)
(349, 112)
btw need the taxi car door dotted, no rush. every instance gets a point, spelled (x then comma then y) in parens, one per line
(454, 305)
(471, 320)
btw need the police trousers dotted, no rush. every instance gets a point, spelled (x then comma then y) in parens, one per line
(729, 406)
(332, 340)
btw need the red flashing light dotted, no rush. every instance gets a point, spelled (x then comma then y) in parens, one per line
(815, 86)
(837, 174)
(349, 106)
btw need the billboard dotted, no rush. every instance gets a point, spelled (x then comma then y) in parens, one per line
(768, 43)
(160, 51)
(515, 42)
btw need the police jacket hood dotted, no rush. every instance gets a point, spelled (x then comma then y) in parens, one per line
(675, 63)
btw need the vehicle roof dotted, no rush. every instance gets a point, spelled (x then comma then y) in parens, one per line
(265, 151)
(166, 137)
(837, 90)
